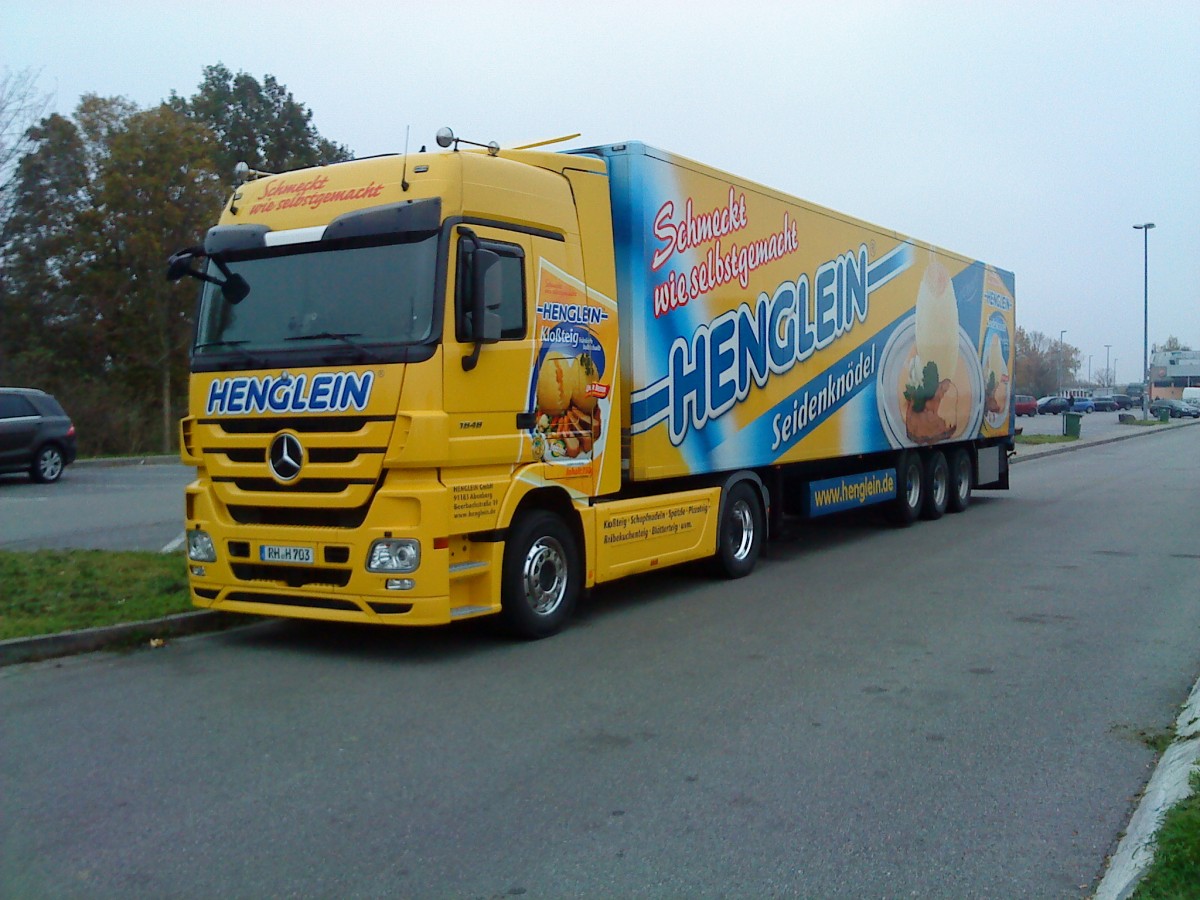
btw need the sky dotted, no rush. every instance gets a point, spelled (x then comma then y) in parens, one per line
(1031, 136)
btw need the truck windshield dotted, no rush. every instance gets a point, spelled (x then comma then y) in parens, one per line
(307, 298)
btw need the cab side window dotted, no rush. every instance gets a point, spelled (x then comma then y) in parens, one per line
(512, 279)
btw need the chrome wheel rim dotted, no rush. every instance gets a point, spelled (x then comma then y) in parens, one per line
(962, 477)
(940, 486)
(912, 487)
(741, 529)
(544, 576)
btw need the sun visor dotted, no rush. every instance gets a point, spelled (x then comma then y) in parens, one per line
(231, 238)
(392, 218)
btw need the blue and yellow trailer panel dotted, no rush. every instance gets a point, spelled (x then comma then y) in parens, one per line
(758, 329)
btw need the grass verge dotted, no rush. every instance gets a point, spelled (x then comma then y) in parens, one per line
(1175, 872)
(1044, 439)
(51, 591)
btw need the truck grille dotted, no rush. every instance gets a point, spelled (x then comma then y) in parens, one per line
(342, 468)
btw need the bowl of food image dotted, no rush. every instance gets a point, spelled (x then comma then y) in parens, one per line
(921, 402)
(995, 383)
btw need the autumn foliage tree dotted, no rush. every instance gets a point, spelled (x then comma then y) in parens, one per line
(99, 200)
(1043, 364)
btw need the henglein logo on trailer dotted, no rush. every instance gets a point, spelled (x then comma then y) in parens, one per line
(325, 392)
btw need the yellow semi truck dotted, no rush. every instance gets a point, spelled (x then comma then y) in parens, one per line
(435, 386)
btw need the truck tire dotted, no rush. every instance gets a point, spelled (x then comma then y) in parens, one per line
(960, 480)
(910, 490)
(937, 486)
(740, 532)
(542, 576)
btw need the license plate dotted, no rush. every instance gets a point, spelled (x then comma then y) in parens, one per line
(275, 554)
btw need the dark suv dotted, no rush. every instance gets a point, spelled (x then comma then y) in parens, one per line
(36, 435)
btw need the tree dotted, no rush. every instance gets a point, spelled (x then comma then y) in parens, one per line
(1043, 365)
(20, 107)
(42, 254)
(260, 124)
(158, 189)
(1171, 343)
(100, 199)
(100, 202)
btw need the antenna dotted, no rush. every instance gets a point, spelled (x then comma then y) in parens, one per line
(404, 171)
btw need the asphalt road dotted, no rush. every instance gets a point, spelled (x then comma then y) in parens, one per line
(951, 710)
(95, 506)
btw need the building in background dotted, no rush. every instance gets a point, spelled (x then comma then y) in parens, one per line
(1173, 370)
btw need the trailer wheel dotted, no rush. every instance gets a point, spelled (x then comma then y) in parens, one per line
(960, 480)
(740, 532)
(937, 486)
(542, 576)
(910, 490)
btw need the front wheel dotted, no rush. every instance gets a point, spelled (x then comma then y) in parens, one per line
(47, 464)
(542, 576)
(740, 532)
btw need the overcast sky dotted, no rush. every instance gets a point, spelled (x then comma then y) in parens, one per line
(1028, 135)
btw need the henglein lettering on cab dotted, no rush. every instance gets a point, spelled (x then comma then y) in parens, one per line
(325, 392)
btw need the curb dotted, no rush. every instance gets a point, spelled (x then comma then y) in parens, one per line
(1168, 785)
(1055, 449)
(115, 461)
(88, 640)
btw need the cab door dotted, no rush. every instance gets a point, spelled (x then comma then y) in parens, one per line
(488, 401)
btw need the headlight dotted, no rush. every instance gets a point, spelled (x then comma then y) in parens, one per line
(201, 547)
(394, 555)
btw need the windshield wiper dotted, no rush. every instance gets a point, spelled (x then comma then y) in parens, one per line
(233, 347)
(344, 337)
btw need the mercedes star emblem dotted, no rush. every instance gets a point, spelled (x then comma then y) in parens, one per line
(286, 456)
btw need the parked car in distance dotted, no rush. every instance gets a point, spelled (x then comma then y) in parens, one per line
(1052, 405)
(1177, 409)
(1024, 405)
(1105, 404)
(1194, 401)
(1082, 405)
(1124, 401)
(36, 434)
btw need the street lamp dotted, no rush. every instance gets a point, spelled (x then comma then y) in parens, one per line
(1060, 360)
(1107, 371)
(1144, 228)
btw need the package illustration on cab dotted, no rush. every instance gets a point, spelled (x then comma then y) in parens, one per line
(570, 387)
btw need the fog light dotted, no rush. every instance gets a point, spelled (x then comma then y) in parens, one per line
(400, 584)
(201, 547)
(198, 571)
(394, 555)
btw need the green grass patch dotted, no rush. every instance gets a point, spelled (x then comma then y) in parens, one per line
(50, 591)
(1175, 872)
(1044, 439)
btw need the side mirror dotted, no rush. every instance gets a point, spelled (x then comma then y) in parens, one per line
(180, 264)
(234, 288)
